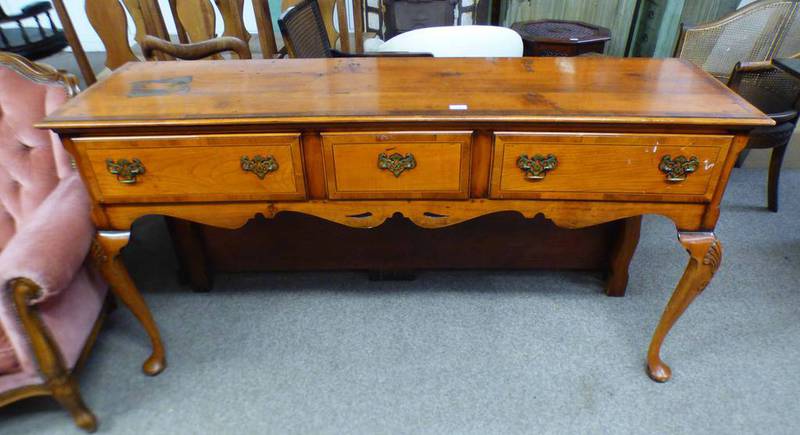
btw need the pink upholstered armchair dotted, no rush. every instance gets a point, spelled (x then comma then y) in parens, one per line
(51, 299)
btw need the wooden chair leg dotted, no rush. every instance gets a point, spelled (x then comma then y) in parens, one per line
(775, 163)
(622, 254)
(69, 396)
(741, 158)
(58, 378)
(705, 255)
(105, 251)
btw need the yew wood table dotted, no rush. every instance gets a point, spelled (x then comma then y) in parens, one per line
(581, 141)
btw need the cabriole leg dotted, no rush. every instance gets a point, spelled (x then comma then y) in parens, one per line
(68, 395)
(57, 376)
(106, 252)
(705, 255)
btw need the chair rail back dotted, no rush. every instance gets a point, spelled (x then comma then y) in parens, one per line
(303, 30)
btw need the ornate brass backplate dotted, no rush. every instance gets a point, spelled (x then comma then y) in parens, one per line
(259, 165)
(536, 167)
(125, 170)
(396, 163)
(677, 169)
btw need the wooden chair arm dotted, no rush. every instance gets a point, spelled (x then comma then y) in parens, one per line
(197, 50)
(742, 69)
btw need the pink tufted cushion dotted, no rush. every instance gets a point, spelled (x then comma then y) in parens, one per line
(30, 168)
(32, 164)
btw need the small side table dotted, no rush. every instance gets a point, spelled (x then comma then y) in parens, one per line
(561, 38)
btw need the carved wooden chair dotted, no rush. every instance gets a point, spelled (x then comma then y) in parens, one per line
(195, 21)
(51, 299)
(755, 33)
(777, 94)
(31, 42)
(109, 19)
(305, 36)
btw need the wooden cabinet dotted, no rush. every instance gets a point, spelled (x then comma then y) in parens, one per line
(397, 164)
(196, 168)
(594, 166)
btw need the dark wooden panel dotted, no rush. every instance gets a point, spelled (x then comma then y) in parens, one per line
(292, 241)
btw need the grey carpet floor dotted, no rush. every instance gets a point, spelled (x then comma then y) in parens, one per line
(461, 352)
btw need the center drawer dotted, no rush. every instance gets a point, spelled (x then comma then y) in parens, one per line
(196, 168)
(389, 165)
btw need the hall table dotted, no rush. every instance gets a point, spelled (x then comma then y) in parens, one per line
(581, 141)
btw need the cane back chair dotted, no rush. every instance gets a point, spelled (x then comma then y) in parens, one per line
(755, 33)
(305, 36)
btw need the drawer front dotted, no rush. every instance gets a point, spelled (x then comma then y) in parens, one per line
(592, 166)
(412, 165)
(196, 168)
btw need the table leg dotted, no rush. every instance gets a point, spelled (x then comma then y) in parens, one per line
(106, 250)
(705, 255)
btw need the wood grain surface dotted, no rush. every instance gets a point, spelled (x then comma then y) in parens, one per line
(303, 91)
(441, 171)
(609, 163)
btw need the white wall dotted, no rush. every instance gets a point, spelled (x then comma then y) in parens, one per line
(90, 40)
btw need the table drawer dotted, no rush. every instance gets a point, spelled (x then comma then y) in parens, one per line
(592, 166)
(411, 165)
(196, 168)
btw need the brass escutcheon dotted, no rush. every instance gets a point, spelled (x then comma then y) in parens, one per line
(677, 169)
(396, 163)
(126, 171)
(536, 167)
(259, 165)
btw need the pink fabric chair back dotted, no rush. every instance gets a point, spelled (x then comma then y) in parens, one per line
(32, 161)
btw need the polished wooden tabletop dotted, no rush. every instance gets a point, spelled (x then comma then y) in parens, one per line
(580, 90)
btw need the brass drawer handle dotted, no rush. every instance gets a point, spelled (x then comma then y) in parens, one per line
(396, 163)
(677, 169)
(259, 165)
(536, 167)
(125, 170)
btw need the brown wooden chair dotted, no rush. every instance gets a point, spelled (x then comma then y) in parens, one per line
(109, 19)
(755, 33)
(777, 94)
(305, 36)
(195, 21)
